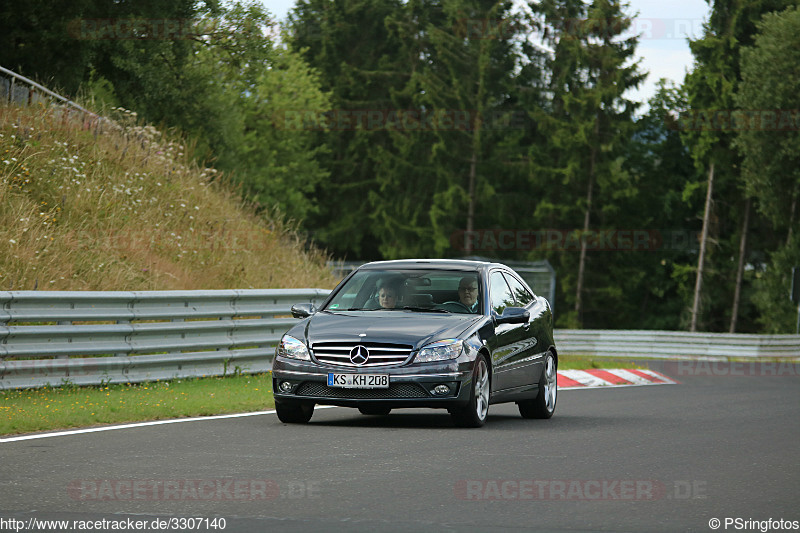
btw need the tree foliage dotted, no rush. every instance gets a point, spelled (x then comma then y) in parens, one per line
(588, 128)
(402, 128)
(361, 64)
(711, 87)
(769, 94)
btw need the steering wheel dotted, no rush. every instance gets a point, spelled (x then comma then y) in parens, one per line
(458, 304)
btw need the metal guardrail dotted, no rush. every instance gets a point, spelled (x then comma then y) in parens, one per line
(30, 92)
(675, 344)
(19, 90)
(120, 337)
(90, 338)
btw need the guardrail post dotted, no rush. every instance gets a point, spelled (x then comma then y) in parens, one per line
(64, 323)
(797, 327)
(127, 339)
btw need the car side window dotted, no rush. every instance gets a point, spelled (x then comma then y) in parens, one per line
(522, 295)
(501, 296)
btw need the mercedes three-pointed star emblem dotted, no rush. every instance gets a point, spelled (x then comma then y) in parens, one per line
(359, 355)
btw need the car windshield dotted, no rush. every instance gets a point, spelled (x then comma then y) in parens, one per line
(422, 291)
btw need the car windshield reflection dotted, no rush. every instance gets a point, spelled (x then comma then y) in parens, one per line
(417, 291)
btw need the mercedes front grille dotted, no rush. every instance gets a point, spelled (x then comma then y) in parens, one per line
(377, 354)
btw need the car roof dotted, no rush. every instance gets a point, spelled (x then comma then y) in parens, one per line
(460, 264)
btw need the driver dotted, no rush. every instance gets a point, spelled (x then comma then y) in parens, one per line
(468, 293)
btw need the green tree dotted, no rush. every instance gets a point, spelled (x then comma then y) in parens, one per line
(278, 161)
(769, 143)
(35, 41)
(652, 282)
(359, 61)
(589, 126)
(63, 42)
(711, 86)
(439, 178)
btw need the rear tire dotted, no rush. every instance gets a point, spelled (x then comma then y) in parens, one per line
(376, 410)
(544, 405)
(473, 415)
(294, 412)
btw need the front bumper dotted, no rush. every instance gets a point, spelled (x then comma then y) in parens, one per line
(409, 386)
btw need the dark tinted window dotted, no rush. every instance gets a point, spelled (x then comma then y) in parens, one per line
(522, 295)
(501, 293)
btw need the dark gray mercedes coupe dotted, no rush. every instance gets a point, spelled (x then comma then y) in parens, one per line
(457, 335)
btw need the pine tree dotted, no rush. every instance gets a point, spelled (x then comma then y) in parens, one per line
(442, 177)
(358, 59)
(590, 120)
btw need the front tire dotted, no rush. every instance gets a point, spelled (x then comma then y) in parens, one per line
(474, 414)
(294, 412)
(544, 405)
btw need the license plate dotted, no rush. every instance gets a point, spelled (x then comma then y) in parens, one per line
(359, 381)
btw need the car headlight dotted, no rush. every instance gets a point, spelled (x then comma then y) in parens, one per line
(292, 348)
(440, 351)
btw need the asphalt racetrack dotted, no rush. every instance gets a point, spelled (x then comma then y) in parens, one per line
(719, 445)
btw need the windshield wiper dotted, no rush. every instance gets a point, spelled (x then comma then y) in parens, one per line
(426, 309)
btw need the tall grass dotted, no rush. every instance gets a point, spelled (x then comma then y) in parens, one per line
(127, 208)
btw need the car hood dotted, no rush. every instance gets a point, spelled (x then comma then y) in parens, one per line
(399, 327)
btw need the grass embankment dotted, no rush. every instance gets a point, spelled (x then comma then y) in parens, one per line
(25, 411)
(127, 208)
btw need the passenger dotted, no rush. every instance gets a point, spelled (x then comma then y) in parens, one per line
(387, 293)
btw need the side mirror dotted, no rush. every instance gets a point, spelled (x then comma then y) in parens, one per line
(303, 310)
(513, 315)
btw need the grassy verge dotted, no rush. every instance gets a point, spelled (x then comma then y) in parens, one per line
(26, 411)
(583, 362)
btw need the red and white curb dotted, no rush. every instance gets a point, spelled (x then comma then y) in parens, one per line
(617, 377)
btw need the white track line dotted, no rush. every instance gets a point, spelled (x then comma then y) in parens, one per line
(140, 424)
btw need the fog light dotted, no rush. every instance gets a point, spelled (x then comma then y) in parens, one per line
(441, 390)
(285, 386)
